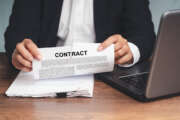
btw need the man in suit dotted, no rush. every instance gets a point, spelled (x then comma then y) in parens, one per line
(45, 23)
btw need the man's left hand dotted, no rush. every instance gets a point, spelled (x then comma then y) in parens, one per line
(123, 54)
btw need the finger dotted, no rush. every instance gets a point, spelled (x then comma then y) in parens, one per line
(122, 52)
(23, 61)
(16, 64)
(24, 52)
(111, 40)
(118, 46)
(33, 49)
(19, 66)
(25, 69)
(125, 59)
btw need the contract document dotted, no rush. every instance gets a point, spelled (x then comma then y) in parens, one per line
(26, 86)
(79, 59)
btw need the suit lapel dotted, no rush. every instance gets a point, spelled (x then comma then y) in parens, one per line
(101, 19)
(50, 23)
(52, 8)
(59, 6)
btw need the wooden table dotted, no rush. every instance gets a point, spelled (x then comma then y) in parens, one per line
(107, 104)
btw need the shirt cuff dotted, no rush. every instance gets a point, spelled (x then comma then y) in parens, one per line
(136, 55)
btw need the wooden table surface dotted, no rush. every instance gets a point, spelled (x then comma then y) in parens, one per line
(107, 104)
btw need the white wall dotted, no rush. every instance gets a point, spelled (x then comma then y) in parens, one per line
(160, 6)
(5, 10)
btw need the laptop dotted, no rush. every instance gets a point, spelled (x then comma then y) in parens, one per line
(157, 78)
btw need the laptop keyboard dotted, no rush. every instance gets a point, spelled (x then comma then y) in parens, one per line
(133, 80)
(135, 83)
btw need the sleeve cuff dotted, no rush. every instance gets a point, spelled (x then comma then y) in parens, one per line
(136, 55)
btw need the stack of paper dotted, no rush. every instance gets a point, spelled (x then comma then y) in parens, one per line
(26, 86)
(51, 75)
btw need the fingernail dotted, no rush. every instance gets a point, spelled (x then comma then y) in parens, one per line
(39, 57)
(100, 48)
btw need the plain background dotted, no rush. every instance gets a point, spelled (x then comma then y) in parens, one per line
(157, 7)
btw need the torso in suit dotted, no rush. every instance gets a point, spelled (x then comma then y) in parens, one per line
(39, 21)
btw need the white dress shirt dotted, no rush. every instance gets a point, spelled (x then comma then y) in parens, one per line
(77, 26)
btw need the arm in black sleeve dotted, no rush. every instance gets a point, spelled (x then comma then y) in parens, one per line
(24, 23)
(138, 26)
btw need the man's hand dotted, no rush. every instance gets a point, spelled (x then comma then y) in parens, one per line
(24, 54)
(123, 54)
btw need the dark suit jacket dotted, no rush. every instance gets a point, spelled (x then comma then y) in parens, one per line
(39, 20)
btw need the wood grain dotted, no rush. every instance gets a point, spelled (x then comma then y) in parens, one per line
(107, 104)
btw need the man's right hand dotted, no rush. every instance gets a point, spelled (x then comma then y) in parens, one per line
(24, 54)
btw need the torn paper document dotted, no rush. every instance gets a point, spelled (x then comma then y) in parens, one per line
(26, 86)
(79, 59)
